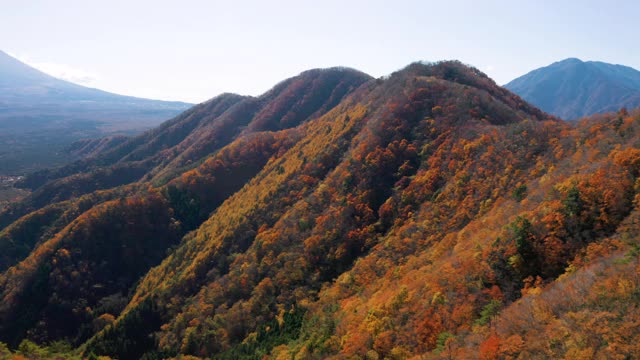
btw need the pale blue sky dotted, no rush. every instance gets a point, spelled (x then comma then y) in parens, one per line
(193, 50)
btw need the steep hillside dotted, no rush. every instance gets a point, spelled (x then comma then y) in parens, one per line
(41, 115)
(591, 310)
(90, 148)
(572, 88)
(429, 214)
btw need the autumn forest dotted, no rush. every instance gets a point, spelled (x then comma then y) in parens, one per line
(428, 214)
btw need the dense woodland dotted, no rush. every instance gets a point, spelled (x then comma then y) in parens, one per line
(429, 214)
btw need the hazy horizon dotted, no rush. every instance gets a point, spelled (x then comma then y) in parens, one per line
(200, 49)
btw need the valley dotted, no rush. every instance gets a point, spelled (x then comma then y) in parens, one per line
(8, 193)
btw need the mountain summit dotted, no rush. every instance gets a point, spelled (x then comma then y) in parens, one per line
(573, 88)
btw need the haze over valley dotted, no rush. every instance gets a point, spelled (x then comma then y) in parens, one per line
(41, 116)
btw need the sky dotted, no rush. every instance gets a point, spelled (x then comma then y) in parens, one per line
(192, 50)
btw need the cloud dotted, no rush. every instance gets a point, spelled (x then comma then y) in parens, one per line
(62, 71)
(489, 68)
(66, 72)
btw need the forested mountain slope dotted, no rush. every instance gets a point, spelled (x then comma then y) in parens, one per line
(181, 143)
(428, 214)
(56, 214)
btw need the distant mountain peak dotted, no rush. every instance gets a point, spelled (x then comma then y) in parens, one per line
(58, 112)
(571, 60)
(13, 72)
(573, 88)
